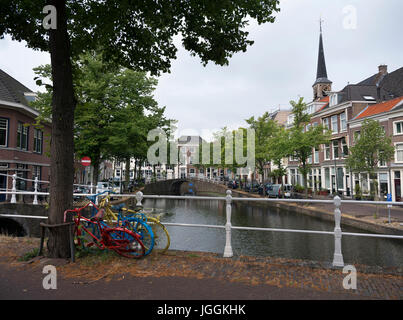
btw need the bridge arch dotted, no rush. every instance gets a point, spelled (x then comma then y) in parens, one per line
(11, 227)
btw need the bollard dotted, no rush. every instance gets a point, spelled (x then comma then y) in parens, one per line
(35, 190)
(228, 248)
(139, 197)
(338, 256)
(14, 189)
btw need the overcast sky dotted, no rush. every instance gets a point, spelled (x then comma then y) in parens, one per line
(279, 67)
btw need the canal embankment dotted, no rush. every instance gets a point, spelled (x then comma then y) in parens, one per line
(361, 216)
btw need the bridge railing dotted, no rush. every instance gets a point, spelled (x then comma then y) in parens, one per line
(36, 188)
(337, 233)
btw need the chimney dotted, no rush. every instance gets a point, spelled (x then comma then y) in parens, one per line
(383, 69)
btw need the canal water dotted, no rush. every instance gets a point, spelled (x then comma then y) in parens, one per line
(316, 247)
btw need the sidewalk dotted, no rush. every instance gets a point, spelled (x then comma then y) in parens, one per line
(181, 275)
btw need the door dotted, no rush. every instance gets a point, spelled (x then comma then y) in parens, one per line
(3, 185)
(397, 186)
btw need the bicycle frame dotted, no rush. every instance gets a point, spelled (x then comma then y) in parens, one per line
(105, 240)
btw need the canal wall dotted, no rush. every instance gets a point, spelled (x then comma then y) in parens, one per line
(310, 210)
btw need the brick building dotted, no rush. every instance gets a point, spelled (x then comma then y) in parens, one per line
(24, 148)
(343, 113)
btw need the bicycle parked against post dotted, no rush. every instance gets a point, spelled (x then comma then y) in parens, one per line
(119, 239)
(161, 238)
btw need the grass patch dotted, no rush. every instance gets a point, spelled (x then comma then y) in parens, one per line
(29, 255)
(95, 256)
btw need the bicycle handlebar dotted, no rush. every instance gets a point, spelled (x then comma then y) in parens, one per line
(78, 210)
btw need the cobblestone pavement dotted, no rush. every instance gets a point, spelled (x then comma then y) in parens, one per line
(310, 279)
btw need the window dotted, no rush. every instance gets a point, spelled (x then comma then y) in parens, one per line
(36, 172)
(38, 138)
(343, 122)
(22, 172)
(335, 149)
(344, 148)
(381, 163)
(3, 132)
(335, 128)
(22, 136)
(357, 136)
(327, 178)
(340, 178)
(316, 156)
(399, 153)
(333, 99)
(398, 127)
(327, 151)
(310, 109)
(326, 123)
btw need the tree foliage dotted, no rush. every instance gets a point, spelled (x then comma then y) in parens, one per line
(303, 139)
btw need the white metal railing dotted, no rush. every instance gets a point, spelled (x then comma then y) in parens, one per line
(337, 233)
(13, 191)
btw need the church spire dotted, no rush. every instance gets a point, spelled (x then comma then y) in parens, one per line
(321, 71)
(322, 83)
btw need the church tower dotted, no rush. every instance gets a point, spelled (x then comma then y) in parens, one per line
(322, 83)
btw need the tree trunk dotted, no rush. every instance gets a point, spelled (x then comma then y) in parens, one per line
(62, 144)
(96, 163)
(127, 175)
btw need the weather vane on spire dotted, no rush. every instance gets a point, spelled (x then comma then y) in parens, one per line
(320, 23)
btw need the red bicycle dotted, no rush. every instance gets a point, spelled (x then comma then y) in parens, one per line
(94, 231)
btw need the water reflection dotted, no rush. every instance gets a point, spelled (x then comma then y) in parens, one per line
(370, 251)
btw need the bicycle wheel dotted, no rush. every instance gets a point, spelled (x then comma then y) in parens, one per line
(125, 243)
(143, 230)
(162, 240)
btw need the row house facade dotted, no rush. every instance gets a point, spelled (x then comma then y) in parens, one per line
(343, 112)
(24, 147)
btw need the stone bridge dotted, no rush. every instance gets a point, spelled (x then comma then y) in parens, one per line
(21, 226)
(184, 187)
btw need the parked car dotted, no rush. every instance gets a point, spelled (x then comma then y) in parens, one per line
(233, 184)
(262, 186)
(274, 191)
(252, 187)
(102, 186)
(80, 189)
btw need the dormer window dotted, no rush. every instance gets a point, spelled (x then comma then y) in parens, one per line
(30, 96)
(334, 99)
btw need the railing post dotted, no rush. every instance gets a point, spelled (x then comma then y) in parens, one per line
(139, 197)
(14, 189)
(228, 248)
(36, 191)
(338, 256)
